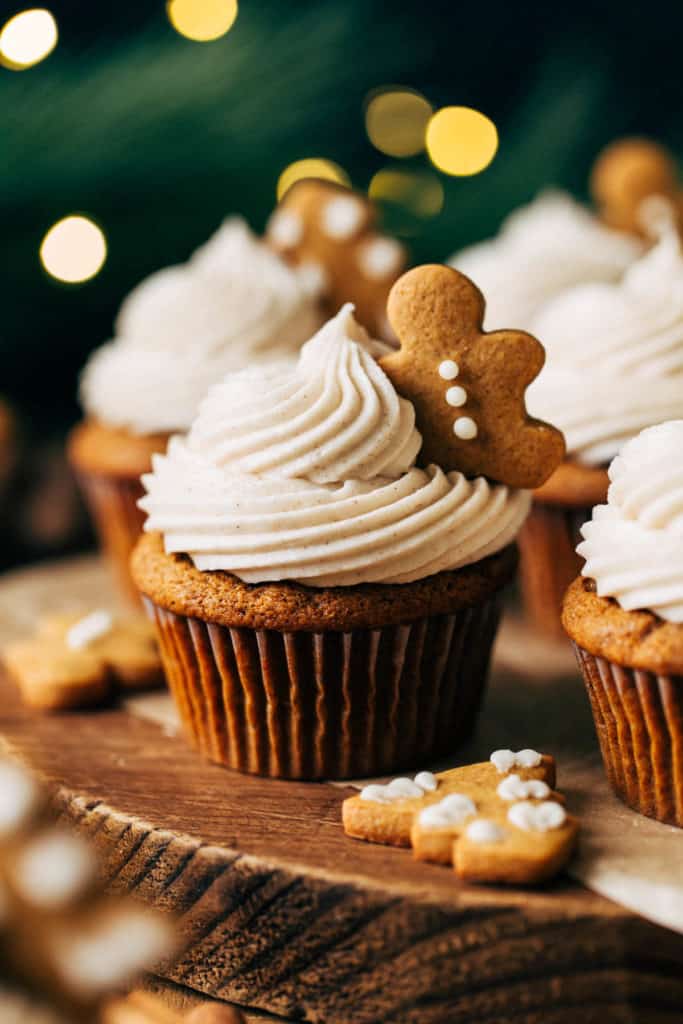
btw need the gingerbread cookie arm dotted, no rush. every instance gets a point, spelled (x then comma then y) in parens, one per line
(52, 678)
(493, 851)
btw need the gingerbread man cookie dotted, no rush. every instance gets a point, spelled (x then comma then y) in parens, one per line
(332, 231)
(77, 661)
(500, 821)
(468, 386)
(626, 174)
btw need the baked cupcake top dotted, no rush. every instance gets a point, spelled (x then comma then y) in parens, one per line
(234, 302)
(308, 473)
(633, 545)
(614, 355)
(541, 249)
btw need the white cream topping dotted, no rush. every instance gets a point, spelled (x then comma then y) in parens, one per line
(89, 628)
(515, 788)
(484, 831)
(308, 474)
(506, 760)
(633, 545)
(542, 249)
(614, 355)
(400, 789)
(234, 303)
(454, 809)
(537, 817)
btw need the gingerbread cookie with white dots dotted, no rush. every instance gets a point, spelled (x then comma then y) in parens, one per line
(332, 232)
(467, 385)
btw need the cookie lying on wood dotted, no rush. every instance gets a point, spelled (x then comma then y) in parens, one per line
(499, 821)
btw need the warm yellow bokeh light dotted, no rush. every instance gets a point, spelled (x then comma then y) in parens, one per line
(73, 250)
(419, 192)
(311, 167)
(27, 38)
(396, 120)
(202, 20)
(461, 141)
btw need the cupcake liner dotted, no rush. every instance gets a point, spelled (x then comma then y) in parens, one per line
(639, 721)
(549, 562)
(311, 705)
(112, 503)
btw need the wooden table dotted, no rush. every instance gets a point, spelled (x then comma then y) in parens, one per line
(280, 911)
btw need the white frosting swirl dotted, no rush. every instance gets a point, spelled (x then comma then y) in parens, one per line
(633, 545)
(308, 473)
(232, 304)
(542, 249)
(614, 355)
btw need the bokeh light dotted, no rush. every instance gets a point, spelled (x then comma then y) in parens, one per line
(418, 192)
(202, 20)
(74, 249)
(311, 167)
(396, 121)
(27, 38)
(461, 141)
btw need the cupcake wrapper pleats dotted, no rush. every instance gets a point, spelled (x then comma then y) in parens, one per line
(112, 503)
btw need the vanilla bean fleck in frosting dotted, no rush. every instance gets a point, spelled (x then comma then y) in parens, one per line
(307, 472)
(633, 545)
(234, 303)
(543, 248)
(614, 355)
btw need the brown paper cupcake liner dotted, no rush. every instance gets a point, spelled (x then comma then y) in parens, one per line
(639, 721)
(549, 562)
(313, 705)
(112, 503)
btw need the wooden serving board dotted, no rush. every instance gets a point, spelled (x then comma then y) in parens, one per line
(280, 911)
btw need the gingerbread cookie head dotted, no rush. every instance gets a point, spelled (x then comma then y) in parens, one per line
(332, 230)
(628, 172)
(468, 386)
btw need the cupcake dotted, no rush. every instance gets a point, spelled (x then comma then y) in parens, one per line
(325, 607)
(542, 249)
(625, 618)
(614, 366)
(234, 303)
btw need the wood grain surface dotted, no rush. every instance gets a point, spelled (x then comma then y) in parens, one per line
(280, 911)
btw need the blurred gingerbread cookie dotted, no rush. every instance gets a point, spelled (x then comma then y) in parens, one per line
(332, 231)
(626, 174)
(468, 386)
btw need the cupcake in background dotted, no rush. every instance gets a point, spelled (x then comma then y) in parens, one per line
(614, 366)
(626, 173)
(325, 607)
(234, 303)
(542, 249)
(625, 617)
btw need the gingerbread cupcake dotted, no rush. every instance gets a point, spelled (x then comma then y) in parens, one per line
(625, 617)
(325, 606)
(614, 367)
(234, 303)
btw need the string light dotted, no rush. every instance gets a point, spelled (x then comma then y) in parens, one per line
(461, 141)
(202, 20)
(396, 119)
(74, 249)
(311, 167)
(418, 192)
(27, 38)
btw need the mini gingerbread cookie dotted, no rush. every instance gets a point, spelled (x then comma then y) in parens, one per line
(77, 661)
(468, 386)
(626, 174)
(500, 821)
(332, 230)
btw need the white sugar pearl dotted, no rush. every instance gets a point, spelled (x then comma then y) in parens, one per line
(448, 369)
(528, 758)
(426, 781)
(456, 395)
(342, 217)
(286, 228)
(484, 831)
(452, 810)
(465, 428)
(504, 760)
(515, 788)
(380, 257)
(537, 817)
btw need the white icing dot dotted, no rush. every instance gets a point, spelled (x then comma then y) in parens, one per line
(505, 760)
(375, 793)
(456, 395)
(515, 788)
(53, 869)
(426, 781)
(452, 810)
(399, 789)
(380, 257)
(448, 369)
(484, 831)
(18, 797)
(537, 817)
(88, 629)
(286, 228)
(342, 217)
(404, 789)
(528, 758)
(313, 277)
(465, 428)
